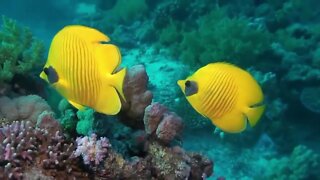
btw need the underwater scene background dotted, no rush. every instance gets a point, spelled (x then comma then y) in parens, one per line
(157, 134)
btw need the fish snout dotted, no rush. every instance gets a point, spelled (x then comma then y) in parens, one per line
(181, 84)
(43, 76)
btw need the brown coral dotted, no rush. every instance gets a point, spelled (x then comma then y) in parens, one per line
(175, 163)
(161, 123)
(137, 96)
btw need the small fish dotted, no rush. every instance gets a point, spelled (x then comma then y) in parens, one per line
(82, 66)
(229, 96)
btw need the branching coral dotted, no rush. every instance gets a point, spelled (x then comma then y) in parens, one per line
(19, 51)
(24, 146)
(92, 150)
(159, 160)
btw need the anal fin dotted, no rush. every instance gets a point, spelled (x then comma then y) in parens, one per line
(233, 122)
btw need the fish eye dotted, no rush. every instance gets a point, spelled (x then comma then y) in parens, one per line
(187, 83)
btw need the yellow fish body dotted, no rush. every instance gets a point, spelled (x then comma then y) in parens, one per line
(229, 96)
(81, 66)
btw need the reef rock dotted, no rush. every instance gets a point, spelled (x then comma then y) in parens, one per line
(23, 108)
(161, 123)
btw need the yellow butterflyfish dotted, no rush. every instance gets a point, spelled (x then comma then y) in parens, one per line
(226, 94)
(82, 66)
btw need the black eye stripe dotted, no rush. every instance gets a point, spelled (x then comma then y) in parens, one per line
(187, 83)
(191, 88)
(46, 71)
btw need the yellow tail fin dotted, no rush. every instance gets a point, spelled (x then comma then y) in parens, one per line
(118, 80)
(254, 114)
(108, 101)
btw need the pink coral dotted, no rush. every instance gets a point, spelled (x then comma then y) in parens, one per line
(93, 151)
(23, 145)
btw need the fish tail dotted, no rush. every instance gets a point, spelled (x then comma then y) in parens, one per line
(119, 80)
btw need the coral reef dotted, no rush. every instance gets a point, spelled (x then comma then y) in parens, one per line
(22, 108)
(161, 160)
(39, 148)
(19, 51)
(277, 40)
(24, 146)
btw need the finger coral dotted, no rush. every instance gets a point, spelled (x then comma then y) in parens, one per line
(161, 123)
(137, 96)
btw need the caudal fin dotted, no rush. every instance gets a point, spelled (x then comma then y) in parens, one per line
(254, 114)
(118, 81)
(108, 101)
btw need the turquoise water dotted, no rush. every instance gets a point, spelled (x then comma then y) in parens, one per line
(277, 42)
